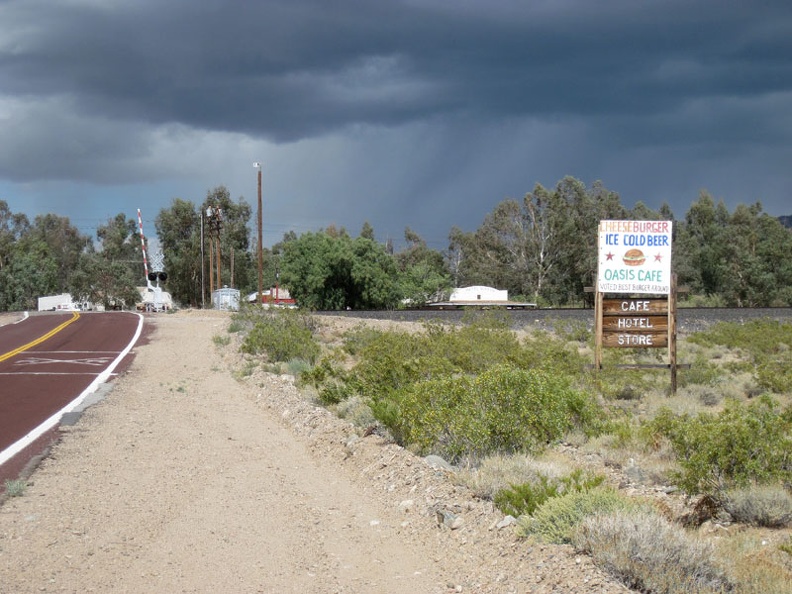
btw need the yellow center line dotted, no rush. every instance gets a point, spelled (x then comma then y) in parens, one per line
(40, 339)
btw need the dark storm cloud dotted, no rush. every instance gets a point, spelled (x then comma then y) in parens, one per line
(456, 98)
(295, 69)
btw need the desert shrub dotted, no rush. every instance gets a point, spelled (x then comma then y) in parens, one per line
(767, 343)
(502, 410)
(221, 341)
(544, 351)
(282, 335)
(755, 336)
(15, 487)
(297, 367)
(649, 554)
(483, 343)
(774, 372)
(356, 411)
(556, 520)
(759, 505)
(329, 379)
(496, 472)
(390, 361)
(573, 331)
(236, 325)
(702, 372)
(740, 445)
(525, 498)
(754, 565)
(786, 547)
(357, 338)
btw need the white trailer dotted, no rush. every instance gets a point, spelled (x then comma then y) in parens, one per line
(62, 302)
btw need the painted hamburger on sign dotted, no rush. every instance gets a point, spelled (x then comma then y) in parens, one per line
(634, 257)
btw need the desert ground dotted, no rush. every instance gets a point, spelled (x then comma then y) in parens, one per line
(192, 477)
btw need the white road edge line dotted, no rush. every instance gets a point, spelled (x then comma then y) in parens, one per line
(25, 441)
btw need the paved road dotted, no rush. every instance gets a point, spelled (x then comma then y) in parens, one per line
(50, 362)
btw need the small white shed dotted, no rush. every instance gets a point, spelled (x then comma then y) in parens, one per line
(478, 293)
(226, 298)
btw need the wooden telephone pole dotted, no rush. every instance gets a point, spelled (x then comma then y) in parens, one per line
(214, 217)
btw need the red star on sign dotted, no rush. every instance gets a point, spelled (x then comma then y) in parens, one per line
(609, 256)
(658, 257)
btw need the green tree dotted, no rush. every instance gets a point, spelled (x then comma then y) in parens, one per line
(584, 209)
(110, 275)
(31, 273)
(179, 232)
(701, 239)
(64, 245)
(330, 270)
(12, 228)
(544, 246)
(423, 275)
(757, 256)
(103, 281)
(459, 257)
(500, 257)
(120, 243)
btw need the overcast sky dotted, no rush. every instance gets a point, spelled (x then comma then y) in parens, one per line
(420, 113)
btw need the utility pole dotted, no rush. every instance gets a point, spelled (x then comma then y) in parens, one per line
(257, 165)
(214, 215)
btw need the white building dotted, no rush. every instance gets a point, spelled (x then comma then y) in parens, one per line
(472, 295)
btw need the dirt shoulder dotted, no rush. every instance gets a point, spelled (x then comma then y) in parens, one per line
(186, 479)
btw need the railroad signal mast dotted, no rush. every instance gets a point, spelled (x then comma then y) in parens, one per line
(157, 272)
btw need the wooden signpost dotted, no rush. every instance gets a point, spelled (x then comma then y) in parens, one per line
(635, 261)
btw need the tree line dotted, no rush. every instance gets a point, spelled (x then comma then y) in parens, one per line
(541, 248)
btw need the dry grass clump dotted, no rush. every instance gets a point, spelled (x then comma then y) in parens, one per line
(355, 410)
(769, 506)
(498, 472)
(649, 554)
(756, 563)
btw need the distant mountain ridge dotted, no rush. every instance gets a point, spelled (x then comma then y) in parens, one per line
(786, 221)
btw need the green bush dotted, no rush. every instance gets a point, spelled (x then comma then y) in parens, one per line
(649, 554)
(390, 361)
(503, 410)
(556, 520)
(524, 499)
(739, 446)
(282, 335)
(485, 342)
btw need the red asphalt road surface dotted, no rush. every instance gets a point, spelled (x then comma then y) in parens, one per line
(70, 351)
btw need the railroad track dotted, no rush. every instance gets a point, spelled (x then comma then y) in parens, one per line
(688, 319)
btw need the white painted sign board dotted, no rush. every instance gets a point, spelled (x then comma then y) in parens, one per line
(634, 257)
